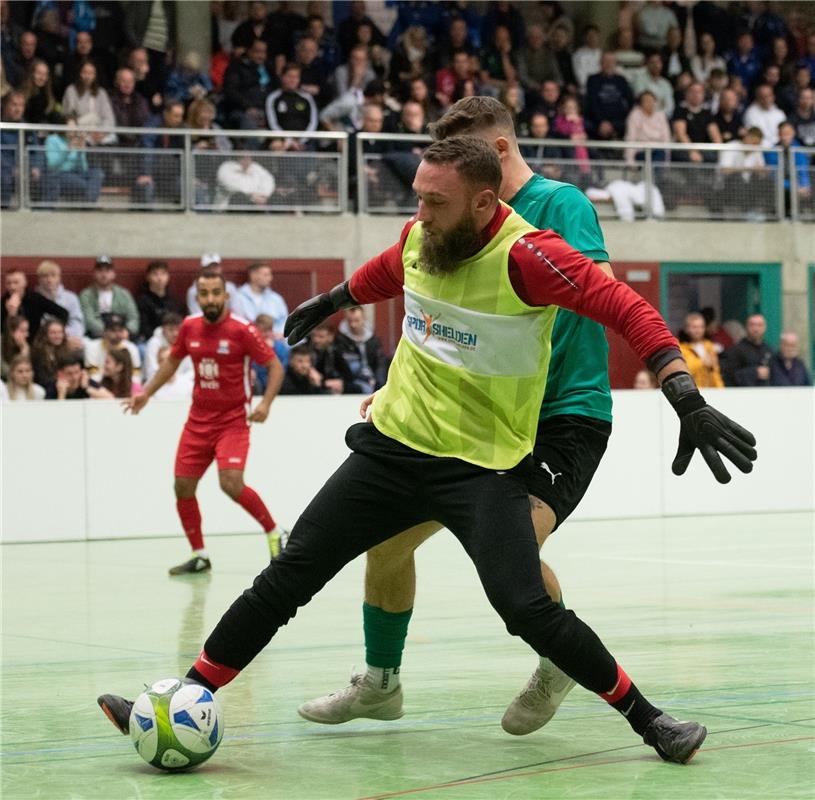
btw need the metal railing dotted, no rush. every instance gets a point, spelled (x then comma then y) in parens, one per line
(220, 171)
(57, 167)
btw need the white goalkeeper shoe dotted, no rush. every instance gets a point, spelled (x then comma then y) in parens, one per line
(538, 700)
(357, 700)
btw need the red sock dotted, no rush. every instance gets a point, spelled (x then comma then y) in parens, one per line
(190, 516)
(620, 688)
(250, 501)
(212, 674)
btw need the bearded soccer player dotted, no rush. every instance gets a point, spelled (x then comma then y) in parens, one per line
(454, 427)
(221, 346)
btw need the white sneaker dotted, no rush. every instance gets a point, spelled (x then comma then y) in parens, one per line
(538, 700)
(358, 700)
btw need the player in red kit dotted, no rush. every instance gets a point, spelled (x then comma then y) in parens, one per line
(221, 346)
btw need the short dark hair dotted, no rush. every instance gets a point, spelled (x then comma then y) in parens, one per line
(73, 359)
(299, 350)
(473, 158)
(172, 318)
(158, 264)
(471, 115)
(256, 265)
(208, 272)
(292, 67)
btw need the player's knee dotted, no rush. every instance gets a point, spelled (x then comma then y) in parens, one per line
(543, 519)
(184, 487)
(530, 616)
(231, 484)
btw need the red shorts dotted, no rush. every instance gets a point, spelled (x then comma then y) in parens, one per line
(200, 445)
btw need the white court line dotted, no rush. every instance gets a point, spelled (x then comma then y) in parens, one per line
(761, 565)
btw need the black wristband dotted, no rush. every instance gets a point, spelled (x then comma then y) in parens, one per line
(680, 390)
(341, 296)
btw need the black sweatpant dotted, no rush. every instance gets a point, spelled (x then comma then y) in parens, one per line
(382, 489)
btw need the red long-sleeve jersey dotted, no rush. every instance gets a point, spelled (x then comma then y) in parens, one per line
(544, 270)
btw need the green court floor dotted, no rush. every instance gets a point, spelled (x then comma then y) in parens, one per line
(712, 617)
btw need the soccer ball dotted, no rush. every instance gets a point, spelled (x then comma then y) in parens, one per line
(175, 725)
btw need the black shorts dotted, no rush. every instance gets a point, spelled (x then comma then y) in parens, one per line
(568, 449)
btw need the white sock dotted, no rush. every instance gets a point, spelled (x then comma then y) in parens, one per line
(383, 679)
(200, 553)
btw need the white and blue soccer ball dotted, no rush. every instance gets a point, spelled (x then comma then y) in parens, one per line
(176, 725)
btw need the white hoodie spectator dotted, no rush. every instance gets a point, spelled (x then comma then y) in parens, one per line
(765, 115)
(243, 182)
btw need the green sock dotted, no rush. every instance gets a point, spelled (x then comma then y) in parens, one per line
(385, 634)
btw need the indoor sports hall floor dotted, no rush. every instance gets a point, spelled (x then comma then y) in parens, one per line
(713, 617)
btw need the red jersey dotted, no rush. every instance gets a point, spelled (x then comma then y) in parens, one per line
(221, 353)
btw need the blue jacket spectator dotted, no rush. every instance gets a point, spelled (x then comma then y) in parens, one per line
(68, 175)
(746, 61)
(256, 297)
(786, 134)
(186, 82)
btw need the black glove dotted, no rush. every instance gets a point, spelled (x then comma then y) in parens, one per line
(307, 316)
(704, 427)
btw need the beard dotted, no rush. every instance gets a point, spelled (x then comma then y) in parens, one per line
(442, 253)
(212, 313)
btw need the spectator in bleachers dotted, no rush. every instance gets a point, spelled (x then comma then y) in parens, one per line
(84, 50)
(653, 23)
(372, 121)
(254, 27)
(650, 79)
(629, 59)
(180, 384)
(213, 262)
(536, 62)
(548, 102)
(765, 115)
(105, 296)
(89, 103)
(114, 337)
(787, 140)
(586, 59)
(13, 110)
(675, 61)
(379, 57)
(313, 73)
(449, 78)
(188, 81)
(721, 339)
(457, 38)
(265, 325)
(499, 66)
(747, 363)
(10, 33)
(130, 109)
(159, 176)
(247, 82)
(745, 61)
(699, 353)
(68, 176)
(729, 119)
(40, 104)
(537, 127)
(226, 17)
(15, 341)
(747, 183)
(716, 83)
(569, 124)
(646, 123)
(608, 101)
(362, 350)
(693, 123)
(139, 63)
(645, 380)
(72, 381)
(257, 297)
(163, 336)
(243, 182)
(347, 30)
(22, 58)
(301, 377)
(328, 361)
(155, 300)
(706, 59)
(804, 117)
(328, 50)
(560, 40)
(19, 300)
(786, 369)
(115, 379)
(20, 384)
(789, 95)
(201, 116)
(354, 75)
(151, 25)
(5, 86)
(512, 96)
(781, 57)
(49, 347)
(49, 284)
(290, 108)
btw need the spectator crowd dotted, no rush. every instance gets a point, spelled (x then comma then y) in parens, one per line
(735, 74)
(105, 343)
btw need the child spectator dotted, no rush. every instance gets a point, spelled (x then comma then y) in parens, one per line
(265, 325)
(301, 376)
(20, 384)
(569, 125)
(49, 349)
(699, 353)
